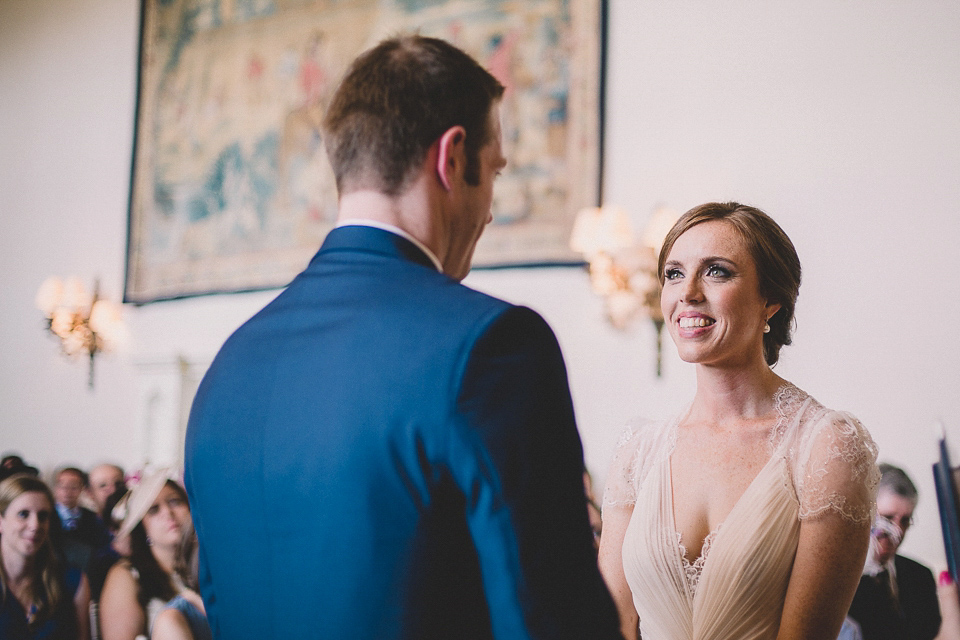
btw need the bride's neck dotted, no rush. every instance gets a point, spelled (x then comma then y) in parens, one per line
(725, 396)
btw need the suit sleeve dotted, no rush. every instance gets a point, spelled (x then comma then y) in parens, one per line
(517, 456)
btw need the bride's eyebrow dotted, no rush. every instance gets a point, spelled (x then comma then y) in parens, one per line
(715, 259)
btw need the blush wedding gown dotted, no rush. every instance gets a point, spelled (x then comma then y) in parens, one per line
(821, 460)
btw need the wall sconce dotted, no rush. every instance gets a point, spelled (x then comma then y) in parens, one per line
(85, 324)
(622, 268)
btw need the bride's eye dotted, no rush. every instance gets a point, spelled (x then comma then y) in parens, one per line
(672, 274)
(716, 271)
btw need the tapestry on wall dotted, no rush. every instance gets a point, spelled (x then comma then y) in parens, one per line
(231, 188)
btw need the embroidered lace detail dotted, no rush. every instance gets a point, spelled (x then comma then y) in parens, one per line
(840, 473)
(830, 458)
(638, 447)
(692, 571)
(787, 400)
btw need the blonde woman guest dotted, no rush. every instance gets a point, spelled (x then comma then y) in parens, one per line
(137, 587)
(748, 515)
(38, 597)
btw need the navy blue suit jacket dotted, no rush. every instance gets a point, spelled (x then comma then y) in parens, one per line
(381, 453)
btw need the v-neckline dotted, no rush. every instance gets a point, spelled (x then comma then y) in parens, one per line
(698, 564)
(710, 539)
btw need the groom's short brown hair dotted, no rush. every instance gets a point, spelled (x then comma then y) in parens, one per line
(395, 101)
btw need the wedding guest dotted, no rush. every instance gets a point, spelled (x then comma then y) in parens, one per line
(104, 558)
(897, 596)
(104, 480)
(138, 587)
(746, 515)
(11, 464)
(82, 530)
(184, 617)
(39, 597)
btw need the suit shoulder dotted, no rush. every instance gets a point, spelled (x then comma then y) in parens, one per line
(446, 287)
(519, 322)
(915, 569)
(450, 302)
(89, 516)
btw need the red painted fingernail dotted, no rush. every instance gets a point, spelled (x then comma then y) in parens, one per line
(945, 579)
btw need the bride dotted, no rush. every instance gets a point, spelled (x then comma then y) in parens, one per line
(748, 515)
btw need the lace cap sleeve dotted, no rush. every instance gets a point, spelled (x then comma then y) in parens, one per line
(630, 460)
(836, 468)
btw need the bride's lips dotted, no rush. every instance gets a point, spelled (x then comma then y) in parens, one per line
(691, 323)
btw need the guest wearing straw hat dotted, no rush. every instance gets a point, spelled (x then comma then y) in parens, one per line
(184, 617)
(137, 587)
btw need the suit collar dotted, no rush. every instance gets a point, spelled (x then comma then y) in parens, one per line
(366, 222)
(373, 240)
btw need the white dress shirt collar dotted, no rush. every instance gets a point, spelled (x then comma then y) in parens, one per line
(364, 222)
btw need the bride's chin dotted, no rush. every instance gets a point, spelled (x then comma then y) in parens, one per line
(690, 356)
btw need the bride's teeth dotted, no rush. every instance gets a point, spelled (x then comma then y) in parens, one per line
(689, 323)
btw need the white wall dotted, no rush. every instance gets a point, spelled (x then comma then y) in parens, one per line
(840, 119)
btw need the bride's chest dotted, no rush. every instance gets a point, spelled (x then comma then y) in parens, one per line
(762, 515)
(708, 475)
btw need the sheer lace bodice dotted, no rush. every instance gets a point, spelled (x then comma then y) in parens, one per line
(820, 460)
(693, 570)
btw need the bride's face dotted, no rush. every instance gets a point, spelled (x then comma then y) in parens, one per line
(711, 298)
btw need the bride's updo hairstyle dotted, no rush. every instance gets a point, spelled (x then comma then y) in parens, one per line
(778, 266)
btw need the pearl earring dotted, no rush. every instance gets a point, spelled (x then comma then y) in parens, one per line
(766, 327)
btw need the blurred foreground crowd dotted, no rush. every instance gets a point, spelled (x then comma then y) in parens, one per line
(107, 555)
(96, 554)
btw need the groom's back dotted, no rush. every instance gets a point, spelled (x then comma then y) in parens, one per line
(382, 452)
(313, 459)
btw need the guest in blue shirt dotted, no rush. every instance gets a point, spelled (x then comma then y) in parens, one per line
(83, 533)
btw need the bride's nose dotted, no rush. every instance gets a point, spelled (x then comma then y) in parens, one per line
(691, 293)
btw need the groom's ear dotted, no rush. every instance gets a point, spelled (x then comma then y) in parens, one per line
(451, 155)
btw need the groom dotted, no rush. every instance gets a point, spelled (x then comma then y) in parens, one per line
(382, 452)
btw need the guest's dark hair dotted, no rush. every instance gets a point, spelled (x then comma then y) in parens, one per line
(186, 561)
(395, 101)
(778, 266)
(108, 506)
(896, 480)
(73, 470)
(13, 464)
(154, 581)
